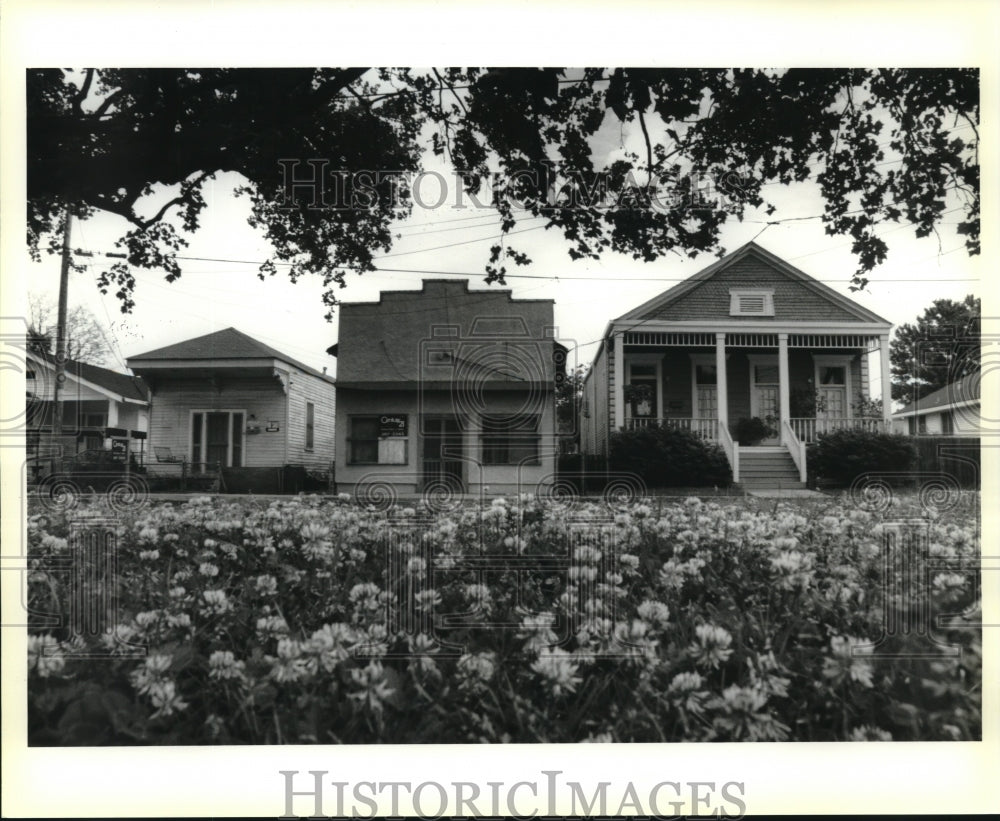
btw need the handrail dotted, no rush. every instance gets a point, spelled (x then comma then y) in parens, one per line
(731, 448)
(796, 448)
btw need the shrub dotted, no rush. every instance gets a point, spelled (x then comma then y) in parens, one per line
(667, 457)
(841, 456)
(753, 430)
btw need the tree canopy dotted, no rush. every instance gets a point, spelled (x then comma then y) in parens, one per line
(883, 146)
(85, 338)
(942, 346)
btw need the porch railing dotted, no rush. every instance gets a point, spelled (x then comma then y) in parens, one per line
(704, 427)
(807, 430)
(732, 449)
(796, 448)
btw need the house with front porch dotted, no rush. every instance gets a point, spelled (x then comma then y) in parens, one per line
(445, 391)
(97, 405)
(750, 346)
(953, 410)
(230, 405)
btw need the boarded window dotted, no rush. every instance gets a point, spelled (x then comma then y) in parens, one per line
(375, 441)
(310, 422)
(510, 441)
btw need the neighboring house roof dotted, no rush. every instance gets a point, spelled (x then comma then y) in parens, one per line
(962, 392)
(225, 344)
(119, 384)
(383, 344)
(797, 296)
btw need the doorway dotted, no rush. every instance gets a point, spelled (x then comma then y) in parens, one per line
(442, 452)
(765, 401)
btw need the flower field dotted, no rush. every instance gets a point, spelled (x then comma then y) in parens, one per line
(315, 620)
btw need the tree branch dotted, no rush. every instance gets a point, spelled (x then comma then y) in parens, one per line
(84, 91)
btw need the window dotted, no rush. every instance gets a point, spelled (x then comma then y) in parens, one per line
(217, 438)
(751, 302)
(947, 423)
(29, 374)
(766, 374)
(511, 441)
(93, 420)
(832, 375)
(310, 422)
(705, 375)
(378, 440)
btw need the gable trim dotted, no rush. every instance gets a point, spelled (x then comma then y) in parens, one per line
(681, 289)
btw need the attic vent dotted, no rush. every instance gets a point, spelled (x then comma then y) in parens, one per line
(751, 302)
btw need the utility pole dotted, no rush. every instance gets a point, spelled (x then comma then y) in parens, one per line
(57, 403)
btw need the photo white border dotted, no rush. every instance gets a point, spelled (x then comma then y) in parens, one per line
(204, 781)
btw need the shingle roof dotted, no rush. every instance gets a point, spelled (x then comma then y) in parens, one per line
(225, 344)
(121, 384)
(962, 390)
(797, 296)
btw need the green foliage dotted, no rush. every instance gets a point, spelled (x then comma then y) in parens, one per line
(839, 457)
(282, 624)
(144, 143)
(753, 430)
(940, 348)
(669, 457)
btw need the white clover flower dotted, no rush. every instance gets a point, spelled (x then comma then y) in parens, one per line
(629, 561)
(148, 535)
(344, 497)
(179, 620)
(164, 696)
(476, 668)
(270, 626)
(579, 573)
(711, 646)
(149, 555)
(266, 584)
(416, 566)
(847, 661)
(208, 569)
(373, 688)
(866, 732)
(948, 581)
(216, 601)
(586, 554)
(222, 664)
(654, 612)
(147, 618)
(558, 669)
(427, 599)
(177, 592)
(45, 657)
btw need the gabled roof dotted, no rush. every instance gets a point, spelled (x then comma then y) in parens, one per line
(825, 302)
(120, 384)
(225, 344)
(383, 343)
(963, 391)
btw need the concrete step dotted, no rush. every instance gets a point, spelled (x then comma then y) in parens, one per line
(756, 484)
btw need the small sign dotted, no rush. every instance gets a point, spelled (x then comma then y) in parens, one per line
(119, 450)
(272, 427)
(392, 426)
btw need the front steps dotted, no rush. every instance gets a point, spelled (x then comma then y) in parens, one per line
(768, 468)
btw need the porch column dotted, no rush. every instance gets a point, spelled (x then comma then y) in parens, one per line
(883, 352)
(618, 339)
(721, 391)
(784, 403)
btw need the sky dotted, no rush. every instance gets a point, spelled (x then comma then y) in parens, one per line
(219, 287)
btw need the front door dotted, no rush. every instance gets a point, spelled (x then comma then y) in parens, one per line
(442, 452)
(217, 438)
(831, 393)
(765, 402)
